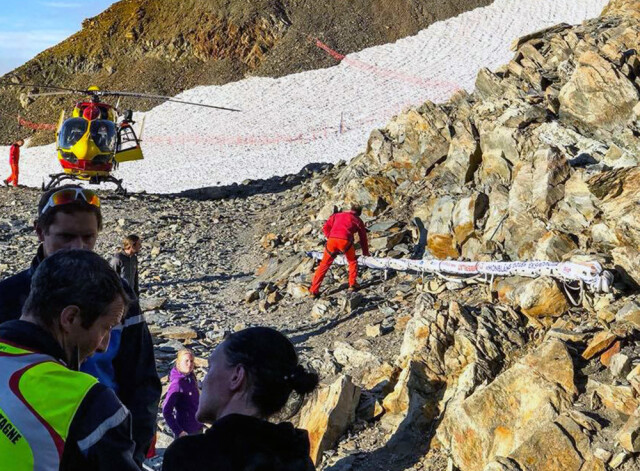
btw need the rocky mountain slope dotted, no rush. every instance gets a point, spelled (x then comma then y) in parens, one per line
(421, 372)
(539, 163)
(164, 48)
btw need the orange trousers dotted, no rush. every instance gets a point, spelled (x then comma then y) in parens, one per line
(335, 245)
(13, 178)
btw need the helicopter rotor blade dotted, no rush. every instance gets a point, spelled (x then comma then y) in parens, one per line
(201, 104)
(35, 85)
(35, 95)
(63, 91)
(166, 98)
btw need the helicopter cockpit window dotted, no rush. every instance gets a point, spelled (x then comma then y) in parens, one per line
(103, 134)
(71, 132)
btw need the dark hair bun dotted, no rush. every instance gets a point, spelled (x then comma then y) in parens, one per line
(303, 382)
(272, 364)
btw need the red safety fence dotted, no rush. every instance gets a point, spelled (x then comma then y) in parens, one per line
(306, 136)
(336, 55)
(36, 126)
(389, 73)
(248, 140)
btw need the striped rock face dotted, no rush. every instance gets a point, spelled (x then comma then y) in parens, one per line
(501, 419)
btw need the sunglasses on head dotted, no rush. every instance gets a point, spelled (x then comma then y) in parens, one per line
(69, 195)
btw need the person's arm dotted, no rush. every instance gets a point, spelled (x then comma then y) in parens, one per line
(136, 285)
(362, 233)
(13, 294)
(168, 410)
(116, 264)
(326, 229)
(135, 372)
(101, 430)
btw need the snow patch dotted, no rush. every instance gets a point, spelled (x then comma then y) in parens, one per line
(322, 115)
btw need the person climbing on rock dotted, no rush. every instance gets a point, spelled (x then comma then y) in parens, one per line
(339, 231)
(14, 158)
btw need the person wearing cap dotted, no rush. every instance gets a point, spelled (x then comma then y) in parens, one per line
(69, 217)
(339, 231)
(14, 159)
(52, 416)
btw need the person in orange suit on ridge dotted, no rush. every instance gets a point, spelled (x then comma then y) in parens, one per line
(14, 158)
(339, 230)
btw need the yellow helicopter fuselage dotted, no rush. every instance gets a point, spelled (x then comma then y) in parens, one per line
(89, 146)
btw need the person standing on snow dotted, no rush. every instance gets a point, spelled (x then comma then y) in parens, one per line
(14, 158)
(339, 230)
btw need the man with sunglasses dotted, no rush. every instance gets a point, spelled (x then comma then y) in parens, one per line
(69, 217)
(53, 416)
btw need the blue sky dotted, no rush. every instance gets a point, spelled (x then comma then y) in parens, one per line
(28, 27)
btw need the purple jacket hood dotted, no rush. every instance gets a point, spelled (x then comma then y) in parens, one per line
(181, 403)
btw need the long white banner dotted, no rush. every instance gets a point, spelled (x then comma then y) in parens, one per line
(590, 273)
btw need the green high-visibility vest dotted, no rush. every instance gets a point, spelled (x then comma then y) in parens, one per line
(39, 397)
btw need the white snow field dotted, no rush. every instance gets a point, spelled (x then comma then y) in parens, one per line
(317, 116)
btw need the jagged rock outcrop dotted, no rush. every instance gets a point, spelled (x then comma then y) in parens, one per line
(617, 195)
(499, 419)
(540, 162)
(539, 297)
(445, 351)
(629, 8)
(597, 95)
(328, 414)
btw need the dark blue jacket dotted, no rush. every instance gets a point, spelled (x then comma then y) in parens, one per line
(128, 366)
(100, 432)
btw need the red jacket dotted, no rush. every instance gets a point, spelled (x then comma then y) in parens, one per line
(343, 226)
(14, 154)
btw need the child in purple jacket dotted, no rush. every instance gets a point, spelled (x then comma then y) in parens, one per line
(181, 403)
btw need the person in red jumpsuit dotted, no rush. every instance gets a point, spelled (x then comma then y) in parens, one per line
(14, 157)
(339, 230)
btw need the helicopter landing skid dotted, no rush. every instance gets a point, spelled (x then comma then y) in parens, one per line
(57, 178)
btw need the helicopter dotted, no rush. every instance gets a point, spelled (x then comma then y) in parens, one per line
(97, 137)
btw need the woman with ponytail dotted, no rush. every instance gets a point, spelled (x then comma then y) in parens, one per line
(251, 376)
